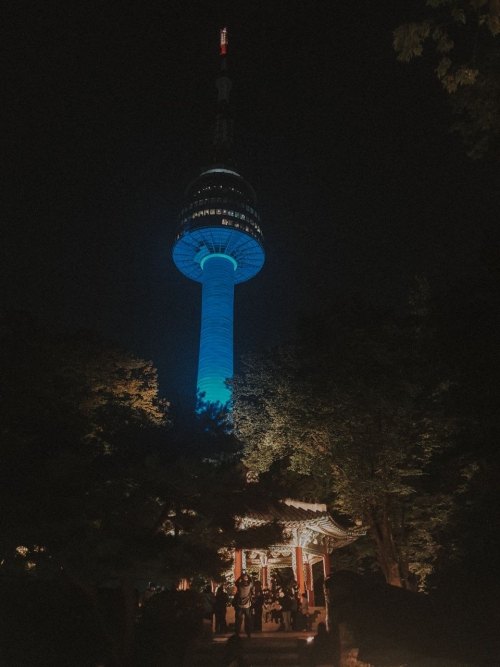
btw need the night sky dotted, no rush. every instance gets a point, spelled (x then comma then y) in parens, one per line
(109, 113)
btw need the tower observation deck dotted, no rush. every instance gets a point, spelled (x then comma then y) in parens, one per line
(219, 243)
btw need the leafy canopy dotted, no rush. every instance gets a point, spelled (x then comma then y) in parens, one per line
(463, 36)
(358, 410)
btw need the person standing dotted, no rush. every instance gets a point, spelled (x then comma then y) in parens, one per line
(276, 611)
(323, 648)
(294, 621)
(304, 613)
(286, 610)
(208, 605)
(220, 608)
(257, 605)
(267, 607)
(243, 606)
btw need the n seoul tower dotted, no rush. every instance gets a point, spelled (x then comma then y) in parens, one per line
(219, 244)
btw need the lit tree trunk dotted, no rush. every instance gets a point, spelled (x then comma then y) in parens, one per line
(381, 532)
(409, 582)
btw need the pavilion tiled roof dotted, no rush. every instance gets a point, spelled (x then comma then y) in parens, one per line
(287, 514)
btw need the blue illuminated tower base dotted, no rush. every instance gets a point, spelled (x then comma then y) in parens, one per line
(216, 341)
(219, 244)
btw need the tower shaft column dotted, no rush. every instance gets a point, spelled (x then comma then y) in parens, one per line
(216, 341)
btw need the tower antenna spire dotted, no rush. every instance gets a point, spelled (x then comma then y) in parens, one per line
(223, 133)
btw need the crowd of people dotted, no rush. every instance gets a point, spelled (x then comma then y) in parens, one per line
(283, 606)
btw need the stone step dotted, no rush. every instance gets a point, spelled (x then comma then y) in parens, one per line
(279, 651)
(256, 660)
(268, 644)
(252, 645)
(275, 659)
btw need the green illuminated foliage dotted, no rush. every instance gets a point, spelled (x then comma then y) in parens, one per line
(97, 484)
(463, 37)
(356, 414)
(448, 25)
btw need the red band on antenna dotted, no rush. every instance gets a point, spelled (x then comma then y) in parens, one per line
(223, 41)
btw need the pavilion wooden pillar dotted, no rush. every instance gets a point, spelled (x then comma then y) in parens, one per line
(299, 566)
(238, 563)
(309, 583)
(326, 564)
